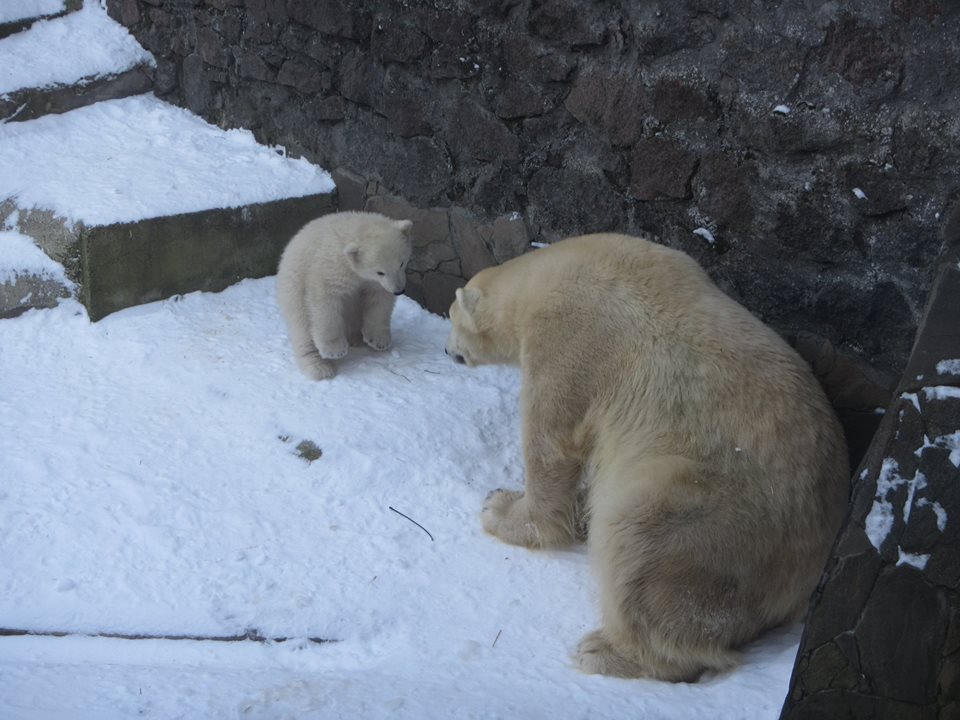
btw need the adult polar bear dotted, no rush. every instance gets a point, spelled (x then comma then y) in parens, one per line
(716, 471)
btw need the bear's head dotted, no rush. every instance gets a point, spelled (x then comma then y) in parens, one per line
(380, 255)
(476, 335)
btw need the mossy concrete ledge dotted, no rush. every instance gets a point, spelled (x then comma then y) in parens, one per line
(128, 264)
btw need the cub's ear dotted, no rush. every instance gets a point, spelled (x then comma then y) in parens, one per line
(468, 299)
(352, 251)
(404, 226)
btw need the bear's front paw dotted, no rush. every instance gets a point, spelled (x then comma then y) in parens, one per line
(377, 340)
(505, 516)
(333, 350)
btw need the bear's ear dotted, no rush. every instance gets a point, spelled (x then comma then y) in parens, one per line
(468, 299)
(352, 251)
(404, 226)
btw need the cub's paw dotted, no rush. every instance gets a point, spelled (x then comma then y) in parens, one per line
(334, 350)
(377, 340)
(505, 516)
(318, 369)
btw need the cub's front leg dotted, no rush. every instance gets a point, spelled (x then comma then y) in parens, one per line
(377, 309)
(328, 326)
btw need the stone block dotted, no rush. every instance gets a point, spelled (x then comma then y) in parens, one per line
(132, 263)
(661, 168)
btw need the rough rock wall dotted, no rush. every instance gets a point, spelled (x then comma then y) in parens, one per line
(812, 145)
(882, 639)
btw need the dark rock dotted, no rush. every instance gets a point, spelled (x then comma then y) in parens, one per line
(307, 78)
(571, 23)
(513, 99)
(480, 134)
(616, 102)
(397, 41)
(361, 79)
(661, 168)
(331, 17)
(525, 56)
(196, 88)
(572, 201)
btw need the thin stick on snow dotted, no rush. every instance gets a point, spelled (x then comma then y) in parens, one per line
(496, 638)
(390, 507)
(249, 636)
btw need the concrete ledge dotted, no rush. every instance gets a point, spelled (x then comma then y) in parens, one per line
(133, 263)
(11, 28)
(30, 291)
(31, 103)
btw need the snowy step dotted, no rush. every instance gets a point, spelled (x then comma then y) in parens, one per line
(68, 62)
(18, 15)
(140, 200)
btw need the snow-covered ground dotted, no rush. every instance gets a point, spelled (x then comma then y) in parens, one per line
(125, 160)
(152, 480)
(151, 485)
(80, 45)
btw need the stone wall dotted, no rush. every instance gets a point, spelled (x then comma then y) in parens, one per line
(812, 146)
(882, 639)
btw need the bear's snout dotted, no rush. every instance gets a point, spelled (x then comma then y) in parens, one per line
(398, 292)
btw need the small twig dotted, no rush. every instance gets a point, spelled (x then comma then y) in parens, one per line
(390, 507)
(249, 636)
(432, 372)
(496, 638)
(398, 374)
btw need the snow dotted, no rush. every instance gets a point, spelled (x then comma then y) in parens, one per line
(782, 110)
(938, 510)
(151, 486)
(15, 10)
(20, 256)
(912, 559)
(941, 392)
(949, 367)
(952, 443)
(125, 160)
(860, 194)
(706, 235)
(88, 44)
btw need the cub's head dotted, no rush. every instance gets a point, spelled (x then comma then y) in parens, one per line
(380, 253)
(476, 335)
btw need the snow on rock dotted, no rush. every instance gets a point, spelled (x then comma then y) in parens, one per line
(125, 160)
(879, 521)
(19, 255)
(88, 44)
(782, 110)
(14, 10)
(860, 194)
(152, 485)
(949, 367)
(706, 235)
(952, 443)
(941, 392)
(918, 561)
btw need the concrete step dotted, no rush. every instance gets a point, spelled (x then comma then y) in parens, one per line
(18, 15)
(139, 201)
(68, 62)
(28, 278)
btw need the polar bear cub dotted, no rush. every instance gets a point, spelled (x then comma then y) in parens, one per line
(336, 286)
(715, 470)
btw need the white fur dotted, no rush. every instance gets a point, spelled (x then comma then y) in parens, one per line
(336, 285)
(715, 469)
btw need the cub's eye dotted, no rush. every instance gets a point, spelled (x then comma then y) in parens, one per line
(380, 273)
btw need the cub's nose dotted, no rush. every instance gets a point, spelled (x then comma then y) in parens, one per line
(398, 292)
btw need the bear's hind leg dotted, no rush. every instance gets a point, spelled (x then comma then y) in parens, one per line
(674, 604)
